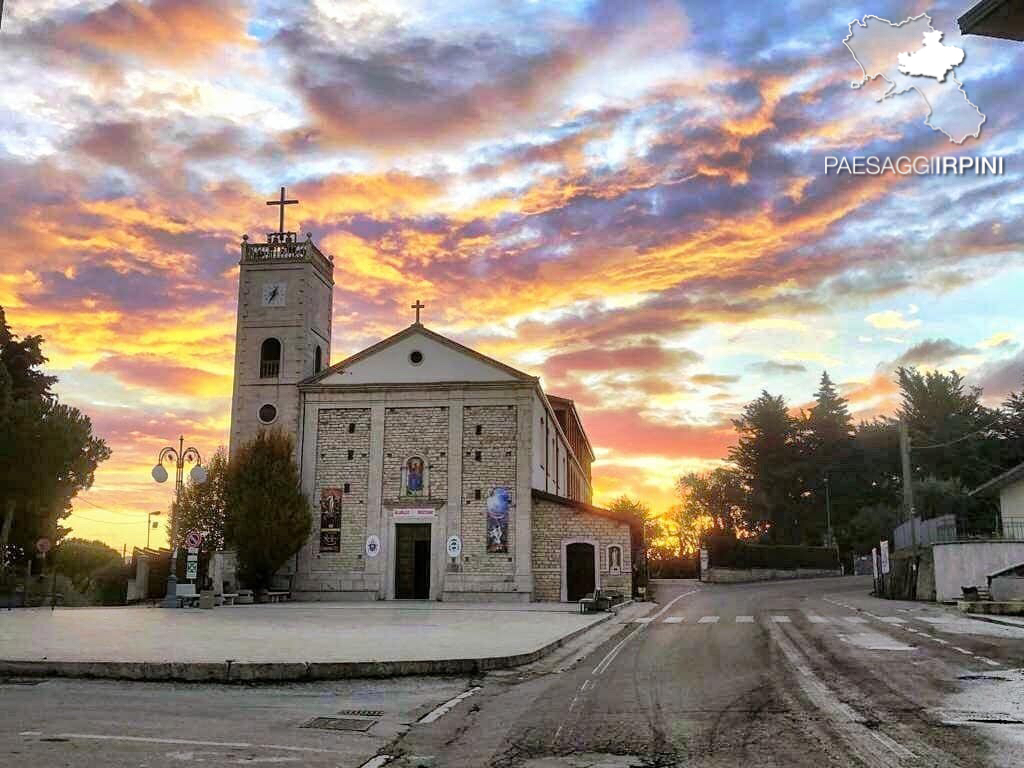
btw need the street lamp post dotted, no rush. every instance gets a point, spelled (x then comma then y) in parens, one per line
(150, 526)
(181, 456)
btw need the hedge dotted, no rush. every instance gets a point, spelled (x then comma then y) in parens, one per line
(727, 552)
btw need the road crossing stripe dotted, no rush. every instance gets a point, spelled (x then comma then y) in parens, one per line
(989, 661)
(815, 619)
(674, 620)
(856, 620)
(892, 620)
(744, 619)
(644, 620)
(780, 619)
(708, 620)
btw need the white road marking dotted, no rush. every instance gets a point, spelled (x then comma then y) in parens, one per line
(674, 620)
(938, 640)
(873, 641)
(780, 619)
(963, 651)
(587, 684)
(989, 661)
(448, 706)
(856, 620)
(892, 620)
(744, 619)
(708, 620)
(188, 742)
(935, 619)
(815, 619)
(610, 657)
(848, 721)
(31, 733)
(377, 762)
(644, 620)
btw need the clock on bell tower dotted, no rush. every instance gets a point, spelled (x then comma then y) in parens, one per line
(285, 300)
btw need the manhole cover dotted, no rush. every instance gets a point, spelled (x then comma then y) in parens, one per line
(341, 723)
(361, 712)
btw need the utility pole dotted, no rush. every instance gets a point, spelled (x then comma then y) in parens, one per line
(908, 482)
(828, 509)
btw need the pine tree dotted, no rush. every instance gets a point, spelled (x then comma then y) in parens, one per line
(766, 457)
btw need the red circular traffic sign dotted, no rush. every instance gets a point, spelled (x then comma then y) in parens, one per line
(193, 540)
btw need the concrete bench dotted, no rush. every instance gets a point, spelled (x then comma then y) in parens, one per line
(587, 605)
(244, 597)
(228, 598)
(277, 597)
(187, 596)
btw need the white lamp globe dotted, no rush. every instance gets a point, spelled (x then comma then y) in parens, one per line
(159, 473)
(198, 474)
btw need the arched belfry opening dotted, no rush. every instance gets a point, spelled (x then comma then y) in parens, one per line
(270, 359)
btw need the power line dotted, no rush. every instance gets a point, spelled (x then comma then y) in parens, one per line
(111, 511)
(955, 440)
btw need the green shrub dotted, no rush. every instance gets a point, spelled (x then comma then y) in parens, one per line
(728, 552)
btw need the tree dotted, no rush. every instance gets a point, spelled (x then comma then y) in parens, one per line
(47, 450)
(1011, 429)
(202, 507)
(716, 499)
(766, 458)
(80, 560)
(268, 515)
(951, 432)
(22, 359)
(829, 462)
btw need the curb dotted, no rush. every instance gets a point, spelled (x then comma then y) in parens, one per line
(241, 672)
(993, 620)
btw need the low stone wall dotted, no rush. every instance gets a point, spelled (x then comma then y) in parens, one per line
(716, 575)
(1006, 588)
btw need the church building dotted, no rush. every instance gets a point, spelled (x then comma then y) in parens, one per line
(433, 471)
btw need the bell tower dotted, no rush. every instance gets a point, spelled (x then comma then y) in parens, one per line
(285, 301)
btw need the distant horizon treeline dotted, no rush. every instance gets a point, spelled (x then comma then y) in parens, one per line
(783, 467)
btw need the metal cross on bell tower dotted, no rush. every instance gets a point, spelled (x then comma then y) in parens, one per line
(282, 203)
(418, 306)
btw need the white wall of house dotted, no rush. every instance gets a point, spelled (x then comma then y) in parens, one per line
(969, 563)
(1011, 507)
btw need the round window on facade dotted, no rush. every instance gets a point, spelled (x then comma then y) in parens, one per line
(268, 413)
(415, 357)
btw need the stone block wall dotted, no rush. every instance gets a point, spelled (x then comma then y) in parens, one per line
(343, 456)
(419, 432)
(496, 468)
(555, 523)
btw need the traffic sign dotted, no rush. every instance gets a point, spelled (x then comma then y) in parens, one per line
(43, 546)
(191, 569)
(193, 539)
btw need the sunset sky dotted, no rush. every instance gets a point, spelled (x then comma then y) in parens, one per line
(625, 198)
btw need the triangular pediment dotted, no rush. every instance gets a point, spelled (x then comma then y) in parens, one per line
(395, 361)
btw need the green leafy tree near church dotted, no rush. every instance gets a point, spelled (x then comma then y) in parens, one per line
(48, 452)
(203, 506)
(268, 514)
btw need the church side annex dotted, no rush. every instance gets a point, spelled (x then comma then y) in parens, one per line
(434, 472)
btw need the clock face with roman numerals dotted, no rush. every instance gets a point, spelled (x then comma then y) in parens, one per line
(274, 294)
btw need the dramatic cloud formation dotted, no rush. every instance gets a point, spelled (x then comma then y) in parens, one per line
(626, 199)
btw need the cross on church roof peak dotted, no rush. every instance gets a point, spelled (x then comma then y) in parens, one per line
(418, 306)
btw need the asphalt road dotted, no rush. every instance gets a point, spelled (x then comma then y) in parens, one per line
(812, 673)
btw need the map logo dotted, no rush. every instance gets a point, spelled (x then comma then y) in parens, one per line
(911, 57)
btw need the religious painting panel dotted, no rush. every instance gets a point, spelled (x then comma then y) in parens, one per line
(414, 477)
(499, 505)
(330, 519)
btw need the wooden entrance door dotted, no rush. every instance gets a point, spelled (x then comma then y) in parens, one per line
(579, 571)
(412, 561)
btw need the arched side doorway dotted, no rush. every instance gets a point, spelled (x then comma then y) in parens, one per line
(580, 569)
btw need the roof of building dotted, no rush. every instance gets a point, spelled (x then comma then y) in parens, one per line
(994, 18)
(1001, 481)
(564, 402)
(582, 506)
(405, 333)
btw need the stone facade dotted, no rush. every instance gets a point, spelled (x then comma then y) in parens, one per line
(489, 440)
(416, 432)
(343, 463)
(558, 522)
